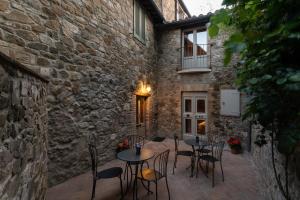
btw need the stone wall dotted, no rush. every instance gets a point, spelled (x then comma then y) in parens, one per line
(169, 10)
(262, 159)
(171, 84)
(88, 51)
(23, 133)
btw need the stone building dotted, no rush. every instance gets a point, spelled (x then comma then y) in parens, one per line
(23, 132)
(120, 67)
(115, 67)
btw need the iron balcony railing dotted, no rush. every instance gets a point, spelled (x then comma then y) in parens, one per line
(196, 57)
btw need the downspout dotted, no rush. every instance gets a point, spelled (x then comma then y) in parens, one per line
(176, 7)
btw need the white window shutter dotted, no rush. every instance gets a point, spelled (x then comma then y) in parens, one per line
(230, 102)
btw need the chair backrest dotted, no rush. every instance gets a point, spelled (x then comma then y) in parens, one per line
(217, 149)
(160, 163)
(93, 154)
(176, 142)
(133, 139)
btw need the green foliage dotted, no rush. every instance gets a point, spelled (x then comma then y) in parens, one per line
(266, 35)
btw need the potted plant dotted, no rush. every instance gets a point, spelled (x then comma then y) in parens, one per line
(123, 145)
(235, 145)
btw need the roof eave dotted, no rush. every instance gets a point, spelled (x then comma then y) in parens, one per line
(186, 23)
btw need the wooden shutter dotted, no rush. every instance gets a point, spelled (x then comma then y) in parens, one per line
(230, 102)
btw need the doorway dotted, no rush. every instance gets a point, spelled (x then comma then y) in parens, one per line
(194, 114)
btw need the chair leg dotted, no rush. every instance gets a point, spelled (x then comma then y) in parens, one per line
(156, 190)
(192, 165)
(168, 188)
(149, 187)
(197, 169)
(175, 161)
(93, 191)
(207, 165)
(121, 184)
(222, 170)
(146, 187)
(126, 171)
(213, 175)
(131, 175)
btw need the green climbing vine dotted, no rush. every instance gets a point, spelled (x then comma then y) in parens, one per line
(266, 36)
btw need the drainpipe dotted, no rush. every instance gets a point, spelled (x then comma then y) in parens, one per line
(176, 7)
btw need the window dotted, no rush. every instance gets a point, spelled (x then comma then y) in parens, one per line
(140, 109)
(139, 22)
(195, 49)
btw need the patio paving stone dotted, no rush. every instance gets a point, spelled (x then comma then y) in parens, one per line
(241, 181)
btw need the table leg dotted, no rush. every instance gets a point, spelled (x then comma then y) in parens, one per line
(135, 182)
(192, 166)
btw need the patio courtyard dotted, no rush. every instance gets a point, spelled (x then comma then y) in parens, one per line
(241, 180)
(71, 70)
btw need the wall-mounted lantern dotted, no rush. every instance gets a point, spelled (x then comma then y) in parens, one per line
(143, 89)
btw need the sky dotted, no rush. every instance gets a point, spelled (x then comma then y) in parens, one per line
(197, 7)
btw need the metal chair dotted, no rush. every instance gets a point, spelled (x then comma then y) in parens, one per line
(159, 171)
(104, 174)
(133, 139)
(215, 156)
(182, 153)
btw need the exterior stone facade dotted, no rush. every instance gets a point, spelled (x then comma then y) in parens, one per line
(172, 84)
(263, 161)
(94, 63)
(171, 9)
(23, 133)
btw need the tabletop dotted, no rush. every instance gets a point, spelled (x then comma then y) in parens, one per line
(130, 155)
(192, 142)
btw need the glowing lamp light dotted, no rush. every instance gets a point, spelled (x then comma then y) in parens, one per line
(143, 89)
(148, 89)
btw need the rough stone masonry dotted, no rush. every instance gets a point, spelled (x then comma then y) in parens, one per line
(87, 50)
(23, 132)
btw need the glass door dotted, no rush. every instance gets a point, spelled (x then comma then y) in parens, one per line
(201, 114)
(194, 113)
(188, 115)
(195, 46)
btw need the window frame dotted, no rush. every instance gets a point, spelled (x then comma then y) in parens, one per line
(194, 30)
(142, 18)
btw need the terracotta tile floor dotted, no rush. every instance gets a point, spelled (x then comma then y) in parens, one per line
(240, 181)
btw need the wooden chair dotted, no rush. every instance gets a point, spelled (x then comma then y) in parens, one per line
(215, 156)
(113, 172)
(182, 153)
(158, 172)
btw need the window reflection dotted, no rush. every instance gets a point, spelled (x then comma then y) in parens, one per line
(188, 44)
(201, 106)
(201, 43)
(188, 126)
(201, 127)
(188, 105)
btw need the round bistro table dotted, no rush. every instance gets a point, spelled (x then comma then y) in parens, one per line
(193, 142)
(200, 144)
(131, 156)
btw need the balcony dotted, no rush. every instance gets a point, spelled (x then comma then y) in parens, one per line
(196, 58)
